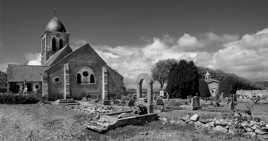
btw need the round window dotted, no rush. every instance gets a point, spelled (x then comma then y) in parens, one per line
(56, 79)
(36, 86)
(85, 73)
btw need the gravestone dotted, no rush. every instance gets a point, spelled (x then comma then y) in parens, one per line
(195, 103)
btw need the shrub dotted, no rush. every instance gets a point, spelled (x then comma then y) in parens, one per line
(18, 99)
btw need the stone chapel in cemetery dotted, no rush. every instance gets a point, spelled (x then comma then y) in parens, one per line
(65, 71)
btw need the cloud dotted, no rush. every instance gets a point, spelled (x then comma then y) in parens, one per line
(246, 57)
(188, 41)
(133, 60)
(33, 59)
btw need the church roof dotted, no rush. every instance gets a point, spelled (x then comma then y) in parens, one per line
(55, 25)
(58, 55)
(20, 73)
(85, 47)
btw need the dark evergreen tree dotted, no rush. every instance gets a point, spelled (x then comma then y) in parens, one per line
(183, 80)
(203, 89)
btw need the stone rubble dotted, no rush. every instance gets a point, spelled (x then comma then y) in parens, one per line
(232, 126)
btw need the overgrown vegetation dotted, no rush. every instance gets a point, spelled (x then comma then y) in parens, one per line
(161, 70)
(18, 99)
(229, 83)
(183, 78)
(3, 82)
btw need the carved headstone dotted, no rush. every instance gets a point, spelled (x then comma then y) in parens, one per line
(195, 103)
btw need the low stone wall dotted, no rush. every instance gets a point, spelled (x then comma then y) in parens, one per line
(251, 93)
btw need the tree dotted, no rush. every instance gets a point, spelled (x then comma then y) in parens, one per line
(203, 89)
(183, 80)
(161, 70)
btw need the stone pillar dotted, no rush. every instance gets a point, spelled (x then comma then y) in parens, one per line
(66, 81)
(138, 90)
(45, 85)
(150, 97)
(105, 86)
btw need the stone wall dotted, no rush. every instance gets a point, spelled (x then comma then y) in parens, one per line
(76, 62)
(251, 93)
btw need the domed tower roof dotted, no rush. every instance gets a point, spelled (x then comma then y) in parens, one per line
(55, 25)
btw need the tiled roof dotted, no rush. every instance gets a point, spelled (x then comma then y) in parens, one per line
(17, 73)
(58, 55)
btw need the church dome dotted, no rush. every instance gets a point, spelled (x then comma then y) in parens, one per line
(55, 25)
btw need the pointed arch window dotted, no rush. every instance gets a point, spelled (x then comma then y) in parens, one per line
(54, 44)
(61, 43)
(78, 78)
(92, 78)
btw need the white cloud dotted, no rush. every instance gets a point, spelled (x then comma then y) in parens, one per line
(188, 41)
(246, 56)
(33, 59)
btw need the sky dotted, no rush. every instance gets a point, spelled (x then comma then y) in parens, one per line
(231, 35)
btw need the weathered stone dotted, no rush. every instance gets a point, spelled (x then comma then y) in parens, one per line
(260, 131)
(245, 124)
(221, 122)
(194, 117)
(248, 129)
(220, 129)
(250, 134)
(205, 121)
(255, 126)
(209, 125)
(199, 124)
(164, 120)
(181, 123)
(186, 107)
(172, 122)
(186, 118)
(252, 123)
(195, 103)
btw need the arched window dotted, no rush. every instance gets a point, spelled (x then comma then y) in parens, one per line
(86, 75)
(92, 78)
(78, 78)
(61, 43)
(54, 44)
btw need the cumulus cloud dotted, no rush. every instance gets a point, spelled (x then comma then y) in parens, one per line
(246, 55)
(33, 59)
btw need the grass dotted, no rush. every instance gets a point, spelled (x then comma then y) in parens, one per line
(44, 122)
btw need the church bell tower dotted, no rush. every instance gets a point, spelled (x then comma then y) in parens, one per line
(54, 38)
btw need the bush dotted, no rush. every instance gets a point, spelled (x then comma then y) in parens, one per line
(18, 99)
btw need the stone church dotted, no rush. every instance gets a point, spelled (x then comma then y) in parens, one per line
(65, 71)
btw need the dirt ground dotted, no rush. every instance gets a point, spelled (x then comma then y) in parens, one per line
(45, 122)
